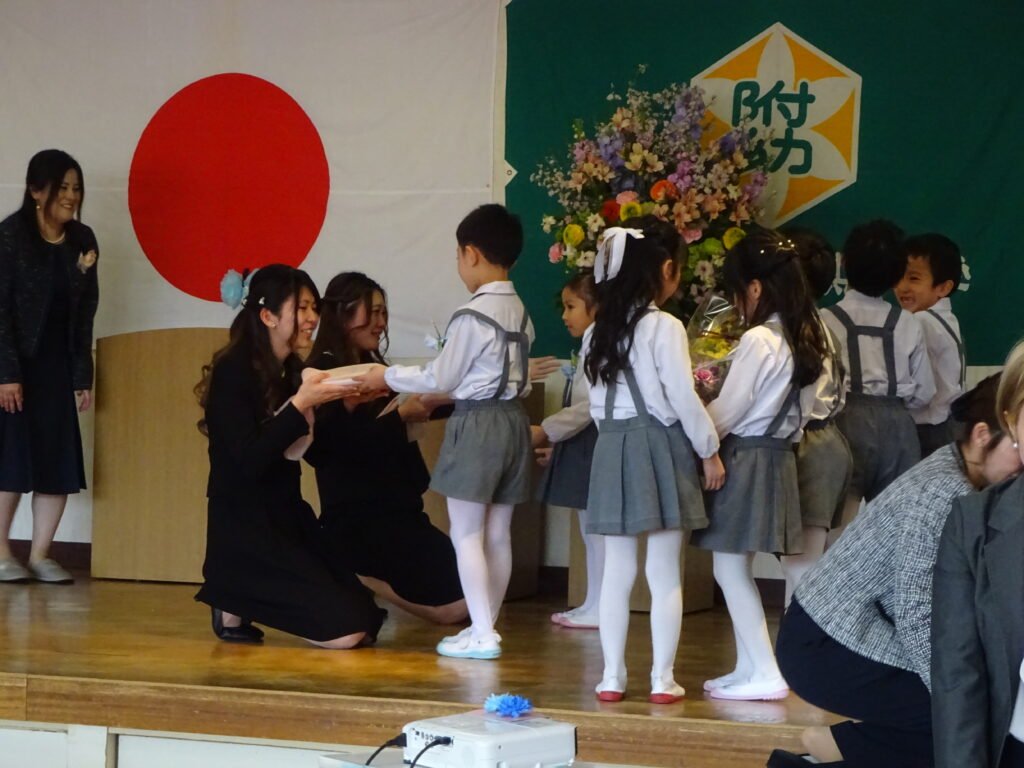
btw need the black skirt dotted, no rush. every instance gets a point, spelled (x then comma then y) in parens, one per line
(41, 447)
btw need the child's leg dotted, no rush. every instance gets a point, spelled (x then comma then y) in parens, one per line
(619, 575)
(794, 567)
(593, 543)
(467, 519)
(850, 510)
(734, 574)
(662, 569)
(498, 554)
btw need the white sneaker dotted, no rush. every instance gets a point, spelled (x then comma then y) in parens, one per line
(50, 571)
(12, 571)
(467, 632)
(468, 646)
(720, 682)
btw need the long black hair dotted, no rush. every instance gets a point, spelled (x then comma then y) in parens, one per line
(344, 295)
(774, 260)
(47, 169)
(270, 288)
(621, 302)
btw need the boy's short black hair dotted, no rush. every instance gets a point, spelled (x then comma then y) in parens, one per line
(817, 258)
(495, 231)
(942, 254)
(874, 258)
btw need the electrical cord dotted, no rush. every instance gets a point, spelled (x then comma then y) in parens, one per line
(440, 741)
(397, 741)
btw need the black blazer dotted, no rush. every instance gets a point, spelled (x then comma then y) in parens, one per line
(26, 285)
(978, 626)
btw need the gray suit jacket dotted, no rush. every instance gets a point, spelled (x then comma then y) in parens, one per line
(978, 626)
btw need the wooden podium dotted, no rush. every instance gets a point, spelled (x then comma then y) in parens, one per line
(151, 466)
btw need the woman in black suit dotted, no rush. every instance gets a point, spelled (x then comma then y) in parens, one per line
(370, 476)
(48, 298)
(264, 559)
(978, 613)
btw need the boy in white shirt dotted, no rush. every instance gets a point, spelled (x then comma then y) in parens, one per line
(485, 462)
(931, 277)
(884, 354)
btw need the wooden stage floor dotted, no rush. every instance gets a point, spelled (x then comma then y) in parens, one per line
(142, 656)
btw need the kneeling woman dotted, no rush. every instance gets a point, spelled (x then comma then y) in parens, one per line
(370, 476)
(855, 639)
(263, 557)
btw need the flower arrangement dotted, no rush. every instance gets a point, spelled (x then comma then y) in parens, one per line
(660, 153)
(507, 705)
(714, 332)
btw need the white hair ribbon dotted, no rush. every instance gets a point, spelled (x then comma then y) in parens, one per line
(610, 252)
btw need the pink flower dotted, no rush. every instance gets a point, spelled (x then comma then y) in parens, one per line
(692, 235)
(629, 196)
(704, 375)
(556, 253)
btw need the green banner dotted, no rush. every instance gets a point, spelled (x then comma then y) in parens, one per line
(914, 107)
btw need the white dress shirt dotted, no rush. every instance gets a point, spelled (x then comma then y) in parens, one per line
(823, 398)
(573, 419)
(660, 360)
(470, 363)
(945, 359)
(914, 382)
(1017, 719)
(759, 380)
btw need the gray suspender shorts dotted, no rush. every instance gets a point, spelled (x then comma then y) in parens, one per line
(486, 456)
(878, 428)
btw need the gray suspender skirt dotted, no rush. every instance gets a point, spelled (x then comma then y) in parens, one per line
(486, 455)
(758, 508)
(935, 436)
(644, 474)
(879, 428)
(566, 482)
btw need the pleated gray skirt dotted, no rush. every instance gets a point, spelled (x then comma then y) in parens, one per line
(823, 468)
(566, 483)
(758, 508)
(643, 478)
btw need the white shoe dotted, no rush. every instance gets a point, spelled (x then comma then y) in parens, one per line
(575, 619)
(611, 689)
(665, 693)
(469, 647)
(50, 571)
(467, 632)
(12, 571)
(756, 690)
(720, 682)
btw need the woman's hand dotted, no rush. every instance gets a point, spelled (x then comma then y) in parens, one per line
(714, 473)
(317, 390)
(543, 456)
(538, 437)
(11, 397)
(84, 399)
(542, 367)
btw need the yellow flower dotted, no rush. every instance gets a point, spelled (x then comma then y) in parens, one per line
(732, 236)
(630, 211)
(573, 235)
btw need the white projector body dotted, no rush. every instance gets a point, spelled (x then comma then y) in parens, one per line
(482, 740)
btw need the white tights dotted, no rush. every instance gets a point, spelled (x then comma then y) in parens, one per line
(795, 567)
(481, 535)
(593, 544)
(662, 570)
(755, 659)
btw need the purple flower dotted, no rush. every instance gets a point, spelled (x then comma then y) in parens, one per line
(728, 143)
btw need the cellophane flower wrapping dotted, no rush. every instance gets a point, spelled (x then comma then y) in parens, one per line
(714, 332)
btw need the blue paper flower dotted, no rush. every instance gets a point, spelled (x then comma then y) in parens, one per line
(507, 705)
(232, 289)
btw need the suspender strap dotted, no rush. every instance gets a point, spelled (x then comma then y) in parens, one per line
(959, 346)
(853, 334)
(507, 338)
(793, 398)
(838, 370)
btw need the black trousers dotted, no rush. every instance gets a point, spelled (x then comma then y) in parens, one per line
(892, 705)
(1013, 754)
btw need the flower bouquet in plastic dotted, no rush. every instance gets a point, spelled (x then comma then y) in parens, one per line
(714, 332)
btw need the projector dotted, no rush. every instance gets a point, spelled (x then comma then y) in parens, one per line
(483, 740)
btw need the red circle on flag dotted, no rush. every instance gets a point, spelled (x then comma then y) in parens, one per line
(229, 173)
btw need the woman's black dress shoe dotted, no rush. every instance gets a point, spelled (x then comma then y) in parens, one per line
(246, 633)
(782, 759)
